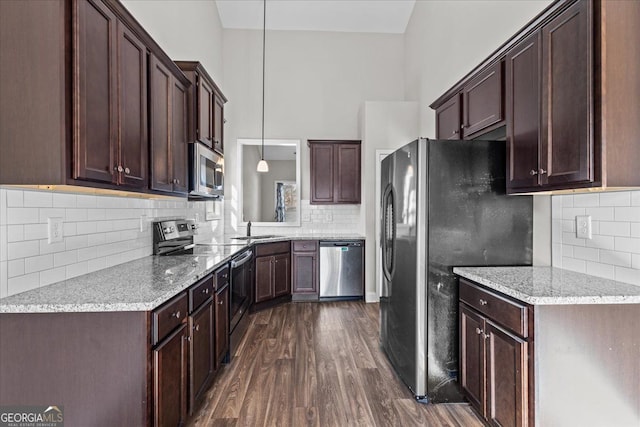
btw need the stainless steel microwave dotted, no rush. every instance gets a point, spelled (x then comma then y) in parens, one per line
(206, 173)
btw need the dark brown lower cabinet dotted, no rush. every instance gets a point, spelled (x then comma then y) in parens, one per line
(170, 379)
(304, 269)
(272, 272)
(494, 358)
(201, 354)
(222, 324)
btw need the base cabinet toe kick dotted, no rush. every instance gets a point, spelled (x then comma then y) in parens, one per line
(539, 365)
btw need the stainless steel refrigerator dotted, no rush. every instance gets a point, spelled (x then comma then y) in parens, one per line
(443, 205)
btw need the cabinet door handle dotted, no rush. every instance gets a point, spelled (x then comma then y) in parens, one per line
(176, 314)
(220, 303)
(119, 168)
(127, 170)
(196, 327)
(188, 338)
(483, 302)
(456, 131)
(542, 171)
(486, 336)
(478, 331)
(533, 172)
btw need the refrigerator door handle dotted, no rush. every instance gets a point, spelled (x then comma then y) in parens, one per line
(388, 232)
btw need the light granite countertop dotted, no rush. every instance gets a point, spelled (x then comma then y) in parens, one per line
(139, 285)
(551, 286)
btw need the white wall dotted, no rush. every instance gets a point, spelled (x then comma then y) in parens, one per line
(446, 39)
(384, 125)
(99, 232)
(188, 30)
(614, 250)
(315, 85)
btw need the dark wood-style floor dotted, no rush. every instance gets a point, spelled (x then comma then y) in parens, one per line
(317, 364)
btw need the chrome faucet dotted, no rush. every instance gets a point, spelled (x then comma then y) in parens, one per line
(249, 229)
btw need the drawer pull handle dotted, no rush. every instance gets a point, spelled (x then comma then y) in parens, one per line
(176, 314)
(205, 291)
(483, 302)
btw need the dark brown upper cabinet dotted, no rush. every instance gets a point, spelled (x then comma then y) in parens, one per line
(206, 106)
(89, 61)
(168, 138)
(111, 99)
(478, 108)
(335, 171)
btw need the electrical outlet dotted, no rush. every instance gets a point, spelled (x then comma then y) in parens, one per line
(196, 217)
(55, 232)
(306, 217)
(583, 226)
(328, 217)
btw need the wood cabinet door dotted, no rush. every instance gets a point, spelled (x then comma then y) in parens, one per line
(304, 272)
(264, 279)
(448, 123)
(178, 154)
(201, 354)
(523, 113)
(281, 275)
(205, 111)
(95, 97)
(483, 101)
(161, 115)
(218, 123)
(221, 325)
(566, 154)
(507, 376)
(170, 379)
(322, 173)
(347, 179)
(472, 357)
(132, 112)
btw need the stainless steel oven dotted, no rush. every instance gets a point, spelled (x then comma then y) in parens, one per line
(241, 286)
(206, 172)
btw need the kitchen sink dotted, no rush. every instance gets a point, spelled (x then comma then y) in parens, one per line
(265, 236)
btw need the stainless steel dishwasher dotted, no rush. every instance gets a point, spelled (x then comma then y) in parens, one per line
(341, 269)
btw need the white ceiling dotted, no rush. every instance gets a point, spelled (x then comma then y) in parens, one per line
(364, 16)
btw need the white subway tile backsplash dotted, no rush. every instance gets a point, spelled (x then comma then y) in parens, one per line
(15, 267)
(96, 264)
(601, 270)
(23, 249)
(22, 216)
(589, 254)
(64, 200)
(23, 283)
(87, 253)
(627, 214)
(102, 226)
(86, 228)
(51, 213)
(77, 269)
(15, 198)
(15, 233)
(97, 239)
(37, 199)
(70, 228)
(76, 242)
(600, 214)
(38, 263)
(52, 276)
(618, 198)
(35, 231)
(628, 275)
(3, 242)
(622, 259)
(610, 228)
(49, 248)
(96, 214)
(614, 250)
(628, 244)
(85, 201)
(4, 292)
(65, 258)
(602, 242)
(586, 200)
(75, 215)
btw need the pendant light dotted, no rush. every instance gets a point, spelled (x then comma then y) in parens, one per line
(262, 164)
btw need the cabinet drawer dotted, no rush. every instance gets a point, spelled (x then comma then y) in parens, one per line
(170, 315)
(222, 277)
(507, 312)
(200, 292)
(305, 245)
(272, 248)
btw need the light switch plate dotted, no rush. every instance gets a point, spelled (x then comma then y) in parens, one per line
(583, 226)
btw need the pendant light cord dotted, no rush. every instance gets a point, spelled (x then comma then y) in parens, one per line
(264, 32)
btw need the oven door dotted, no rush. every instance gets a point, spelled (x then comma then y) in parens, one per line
(241, 279)
(206, 178)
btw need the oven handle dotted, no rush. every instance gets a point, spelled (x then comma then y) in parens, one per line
(181, 248)
(240, 261)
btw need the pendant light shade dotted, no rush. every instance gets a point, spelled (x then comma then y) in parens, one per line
(262, 164)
